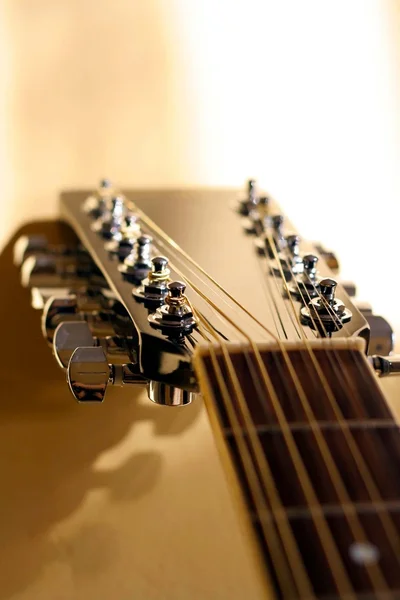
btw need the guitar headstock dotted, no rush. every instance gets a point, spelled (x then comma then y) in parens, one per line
(153, 274)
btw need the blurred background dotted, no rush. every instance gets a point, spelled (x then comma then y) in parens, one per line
(303, 96)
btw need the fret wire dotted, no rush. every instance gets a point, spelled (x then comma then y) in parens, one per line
(330, 425)
(227, 294)
(376, 576)
(284, 579)
(387, 522)
(328, 509)
(373, 490)
(297, 569)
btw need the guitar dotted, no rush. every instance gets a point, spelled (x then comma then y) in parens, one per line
(212, 294)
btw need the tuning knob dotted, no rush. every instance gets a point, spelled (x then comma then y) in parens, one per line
(137, 264)
(46, 270)
(325, 313)
(60, 309)
(89, 374)
(123, 240)
(154, 288)
(74, 334)
(169, 395)
(247, 205)
(98, 204)
(109, 225)
(305, 286)
(175, 318)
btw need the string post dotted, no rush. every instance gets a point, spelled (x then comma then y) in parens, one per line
(154, 287)
(325, 313)
(137, 264)
(175, 318)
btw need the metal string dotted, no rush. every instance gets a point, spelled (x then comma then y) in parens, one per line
(366, 475)
(287, 578)
(374, 571)
(293, 373)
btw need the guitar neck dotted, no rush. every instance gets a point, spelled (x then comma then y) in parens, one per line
(316, 453)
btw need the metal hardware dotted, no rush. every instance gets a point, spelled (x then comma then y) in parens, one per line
(175, 318)
(248, 204)
(60, 309)
(292, 263)
(89, 374)
(385, 365)
(169, 395)
(137, 264)
(110, 223)
(99, 203)
(154, 288)
(74, 334)
(306, 284)
(325, 313)
(46, 270)
(125, 238)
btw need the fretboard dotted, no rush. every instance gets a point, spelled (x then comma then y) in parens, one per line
(316, 451)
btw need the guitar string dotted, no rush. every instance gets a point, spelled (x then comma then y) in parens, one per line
(365, 472)
(289, 572)
(172, 243)
(328, 544)
(181, 260)
(374, 571)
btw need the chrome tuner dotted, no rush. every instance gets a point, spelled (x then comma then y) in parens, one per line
(154, 288)
(27, 245)
(137, 264)
(325, 313)
(89, 374)
(66, 308)
(123, 240)
(305, 286)
(289, 263)
(73, 334)
(110, 223)
(98, 204)
(385, 365)
(169, 395)
(175, 318)
(247, 205)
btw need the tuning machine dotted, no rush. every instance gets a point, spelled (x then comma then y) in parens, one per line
(305, 285)
(89, 373)
(325, 313)
(124, 239)
(175, 318)
(70, 335)
(154, 288)
(137, 264)
(102, 322)
(47, 270)
(99, 203)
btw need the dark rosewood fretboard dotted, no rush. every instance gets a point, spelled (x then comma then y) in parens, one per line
(332, 451)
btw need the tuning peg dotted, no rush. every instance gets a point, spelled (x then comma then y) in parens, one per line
(155, 287)
(123, 240)
(89, 374)
(73, 334)
(109, 224)
(325, 313)
(175, 318)
(98, 203)
(46, 270)
(60, 309)
(28, 245)
(137, 264)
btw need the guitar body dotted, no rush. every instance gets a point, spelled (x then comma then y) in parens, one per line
(125, 499)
